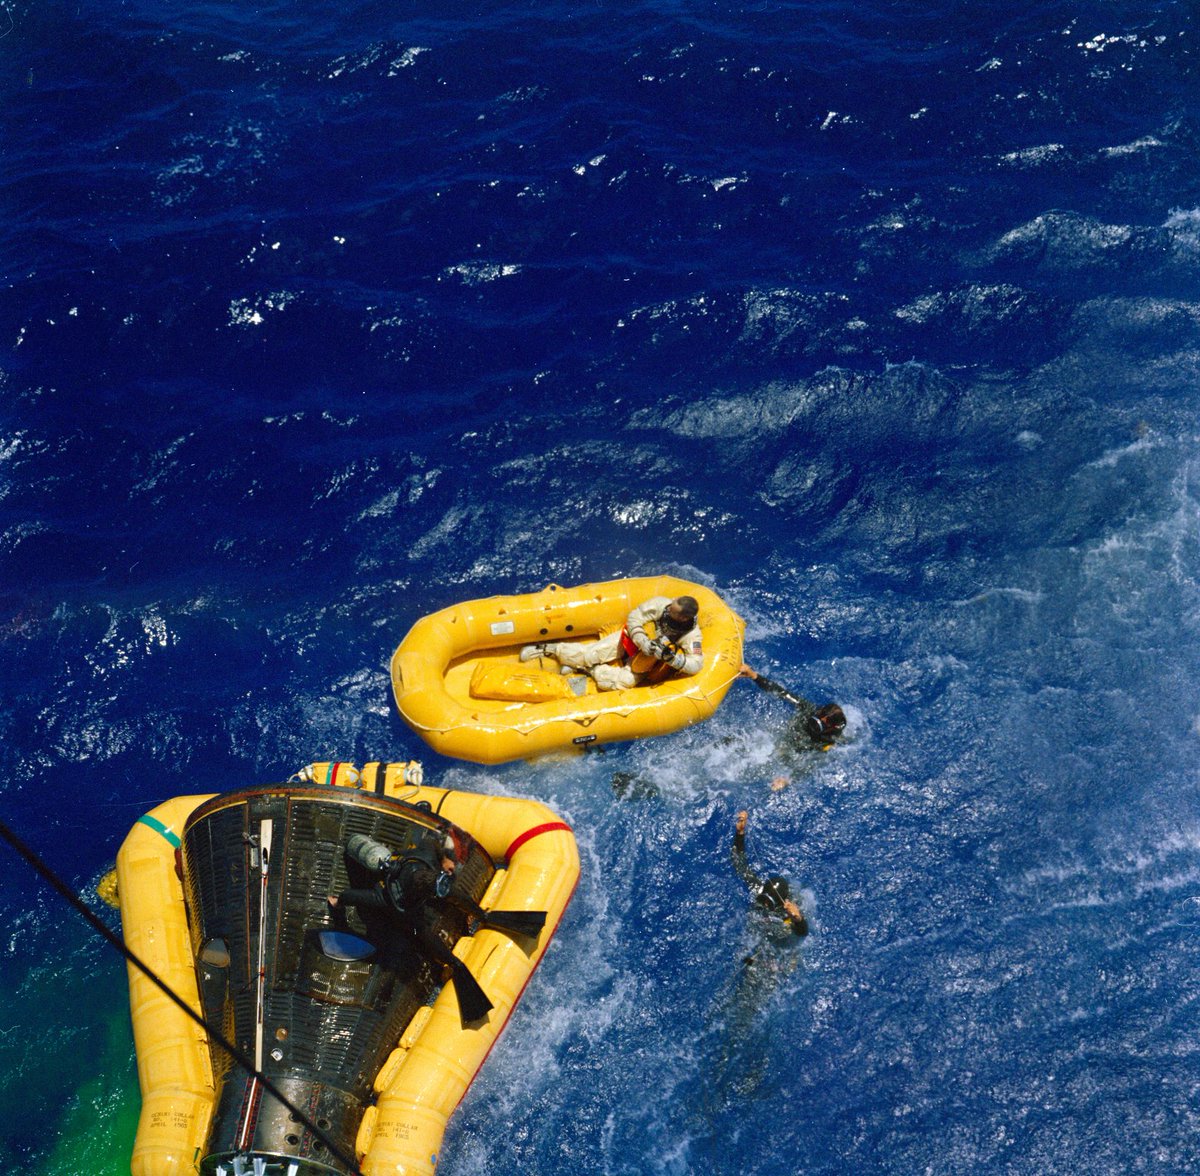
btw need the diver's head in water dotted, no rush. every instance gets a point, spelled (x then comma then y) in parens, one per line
(775, 892)
(825, 724)
(775, 896)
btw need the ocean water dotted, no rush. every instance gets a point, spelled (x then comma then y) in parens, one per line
(881, 319)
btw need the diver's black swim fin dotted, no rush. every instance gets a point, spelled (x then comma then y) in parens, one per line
(473, 1004)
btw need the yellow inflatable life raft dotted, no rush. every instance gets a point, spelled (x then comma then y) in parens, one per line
(225, 898)
(459, 683)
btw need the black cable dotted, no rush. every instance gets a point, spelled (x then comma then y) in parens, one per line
(49, 876)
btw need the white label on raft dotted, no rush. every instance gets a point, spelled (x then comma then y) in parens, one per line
(499, 627)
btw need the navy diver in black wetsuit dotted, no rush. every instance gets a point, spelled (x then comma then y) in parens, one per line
(811, 728)
(779, 916)
(407, 891)
(777, 926)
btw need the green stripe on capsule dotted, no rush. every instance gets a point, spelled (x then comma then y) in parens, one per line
(158, 827)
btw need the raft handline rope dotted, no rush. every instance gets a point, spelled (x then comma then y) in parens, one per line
(56, 883)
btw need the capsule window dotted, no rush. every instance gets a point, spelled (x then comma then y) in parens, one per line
(215, 953)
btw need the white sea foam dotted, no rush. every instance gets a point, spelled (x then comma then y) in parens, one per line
(406, 59)
(1136, 448)
(639, 514)
(1024, 595)
(177, 184)
(251, 312)
(383, 507)
(12, 445)
(252, 256)
(836, 118)
(1146, 143)
(1183, 225)
(1103, 41)
(1125, 874)
(155, 628)
(163, 465)
(1033, 155)
(353, 64)
(1084, 230)
(475, 273)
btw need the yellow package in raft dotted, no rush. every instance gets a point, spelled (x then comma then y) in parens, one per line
(509, 683)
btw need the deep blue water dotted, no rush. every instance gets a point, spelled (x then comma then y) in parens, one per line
(882, 319)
